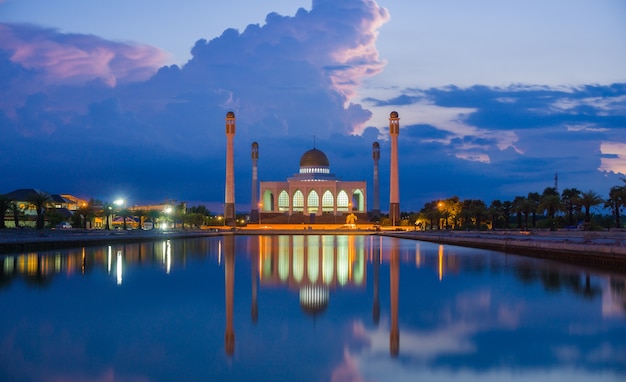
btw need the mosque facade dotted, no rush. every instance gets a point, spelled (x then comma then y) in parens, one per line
(313, 191)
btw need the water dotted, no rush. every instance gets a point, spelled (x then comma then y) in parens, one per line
(306, 308)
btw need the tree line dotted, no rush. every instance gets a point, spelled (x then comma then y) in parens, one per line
(550, 209)
(179, 215)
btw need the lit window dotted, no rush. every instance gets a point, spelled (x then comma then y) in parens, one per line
(283, 201)
(298, 201)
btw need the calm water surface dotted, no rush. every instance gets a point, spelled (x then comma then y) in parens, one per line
(306, 308)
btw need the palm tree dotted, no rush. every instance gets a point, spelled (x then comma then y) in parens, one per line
(141, 215)
(571, 202)
(518, 203)
(107, 210)
(479, 209)
(495, 212)
(590, 199)
(5, 204)
(86, 212)
(507, 207)
(125, 213)
(16, 211)
(551, 203)
(617, 199)
(39, 200)
(534, 198)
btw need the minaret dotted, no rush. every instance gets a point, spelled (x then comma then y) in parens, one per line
(229, 201)
(229, 286)
(255, 202)
(394, 275)
(394, 192)
(376, 201)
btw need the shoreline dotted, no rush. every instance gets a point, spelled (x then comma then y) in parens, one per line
(591, 248)
(594, 248)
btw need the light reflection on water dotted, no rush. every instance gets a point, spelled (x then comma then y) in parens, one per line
(306, 307)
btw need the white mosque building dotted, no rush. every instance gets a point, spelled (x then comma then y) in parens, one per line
(313, 192)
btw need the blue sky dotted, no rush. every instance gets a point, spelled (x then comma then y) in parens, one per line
(128, 98)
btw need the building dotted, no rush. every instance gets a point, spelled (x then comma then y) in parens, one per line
(314, 192)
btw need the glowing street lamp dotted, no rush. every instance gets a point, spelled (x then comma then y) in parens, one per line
(260, 210)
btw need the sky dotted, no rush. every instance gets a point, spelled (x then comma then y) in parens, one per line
(123, 99)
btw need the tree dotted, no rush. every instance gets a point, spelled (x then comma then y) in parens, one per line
(507, 207)
(570, 198)
(518, 207)
(39, 200)
(431, 212)
(551, 203)
(589, 199)
(107, 210)
(534, 198)
(141, 215)
(16, 211)
(617, 199)
(86, 212)
(124, 213)
(495, 212)
(5, 205)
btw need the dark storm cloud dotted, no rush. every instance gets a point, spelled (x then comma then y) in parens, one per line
(503, 142)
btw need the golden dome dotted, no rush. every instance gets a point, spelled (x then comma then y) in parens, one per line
(314, 158)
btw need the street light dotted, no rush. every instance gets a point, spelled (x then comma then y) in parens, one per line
(260, 210)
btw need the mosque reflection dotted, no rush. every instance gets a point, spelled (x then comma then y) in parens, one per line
(315, 267)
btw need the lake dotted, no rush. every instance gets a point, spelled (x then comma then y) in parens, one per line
(306, 308)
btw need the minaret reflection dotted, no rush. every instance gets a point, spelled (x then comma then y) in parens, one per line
(394, 274)
(229, 281)
(254, 259)
(376, 263)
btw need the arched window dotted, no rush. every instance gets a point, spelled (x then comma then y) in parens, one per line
(358, 201)
(268, 201)
(298, 202)
(283, 201)
(328, 202)
(342, 201)
(313, 202)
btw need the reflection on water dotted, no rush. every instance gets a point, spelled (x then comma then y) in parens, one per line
(339, 308)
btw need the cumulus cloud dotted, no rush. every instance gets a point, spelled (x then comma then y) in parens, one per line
(75, 59)
(288, 80)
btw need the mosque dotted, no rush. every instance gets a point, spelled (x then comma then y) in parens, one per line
(314, 194)
(314, 191)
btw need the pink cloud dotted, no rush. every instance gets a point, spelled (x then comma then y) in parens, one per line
(75, 59)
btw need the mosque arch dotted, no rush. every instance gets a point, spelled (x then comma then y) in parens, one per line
(328, 202)
(298, 201)
(268, 201)
(358, 201)
(313, 202)
(283, 201)
(343, 201)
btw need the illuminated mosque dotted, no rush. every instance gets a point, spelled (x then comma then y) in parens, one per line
(314, 194)
(313, 191)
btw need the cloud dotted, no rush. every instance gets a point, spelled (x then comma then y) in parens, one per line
(288, 80)
(75, 59)
(613, 157)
